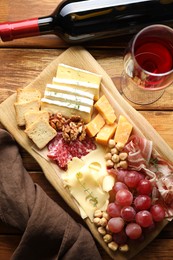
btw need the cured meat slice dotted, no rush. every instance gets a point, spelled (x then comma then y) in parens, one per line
(62, 152)
(139, 152)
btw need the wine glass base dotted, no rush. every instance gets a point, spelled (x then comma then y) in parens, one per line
(138, 95)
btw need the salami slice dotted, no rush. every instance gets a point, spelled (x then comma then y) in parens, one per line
(62, 152)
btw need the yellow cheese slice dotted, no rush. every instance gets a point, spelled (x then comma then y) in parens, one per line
(123, 130)
(106, 133)
(93, 127)
(85, 182)
(105, 109)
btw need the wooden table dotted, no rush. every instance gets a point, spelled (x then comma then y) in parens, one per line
(22, 60)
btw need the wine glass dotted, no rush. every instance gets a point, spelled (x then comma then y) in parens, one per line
(148, 64)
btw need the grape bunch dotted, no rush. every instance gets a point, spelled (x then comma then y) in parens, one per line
(132, 213)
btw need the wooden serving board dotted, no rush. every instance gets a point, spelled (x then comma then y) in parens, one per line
(81, 58)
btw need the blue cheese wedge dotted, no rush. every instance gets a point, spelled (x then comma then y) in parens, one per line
(80, 78)
(67, 109)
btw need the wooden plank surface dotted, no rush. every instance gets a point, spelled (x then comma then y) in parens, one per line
(23, 60)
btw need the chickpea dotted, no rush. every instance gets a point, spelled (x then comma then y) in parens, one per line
(124, 248)
(119, 146)
(115, 158)
(113, 246)
(123, 164)
(108, 156)
(103, 222)
(102, 231)
(111, 143)
(109, 163)
(114, 151)
(98, 213)
(123, 156)
(107, 238)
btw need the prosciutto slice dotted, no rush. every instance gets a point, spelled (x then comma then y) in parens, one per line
(139, 152)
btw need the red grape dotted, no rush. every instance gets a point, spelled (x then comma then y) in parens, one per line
(144, 187)
(158, 212)
(116, 225)
(114, 210)
(133, 231)
(121, 174)
(120, 238)
(132, 179)
(124, 197)
(142, 202)
(144, 218)
(119, 186)
(128, 213)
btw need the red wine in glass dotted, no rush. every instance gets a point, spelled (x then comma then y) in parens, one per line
(154, 56)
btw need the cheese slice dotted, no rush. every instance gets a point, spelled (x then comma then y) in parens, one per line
(91, 88)
(67, 109)
(68, 98)
(85, 182)
(93, 127)
(123, 131)
(69, 72)
(106, 133)
(68, 89)
(105, 109)
(80, 78)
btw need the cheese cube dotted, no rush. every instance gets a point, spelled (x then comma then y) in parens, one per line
(106, 133)
(123, 131)
(93, 127)
(106, 110)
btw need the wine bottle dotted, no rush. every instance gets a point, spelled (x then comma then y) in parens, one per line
(77, 21)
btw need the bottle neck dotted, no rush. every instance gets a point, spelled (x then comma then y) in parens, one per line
(26, 28)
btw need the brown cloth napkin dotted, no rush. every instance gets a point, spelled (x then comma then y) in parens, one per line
(48, 231)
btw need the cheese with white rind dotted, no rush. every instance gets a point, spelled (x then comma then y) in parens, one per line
(67, 109)
(92, 88)
(69, 72)
(68, 89)
(68, 98)
(80, 78)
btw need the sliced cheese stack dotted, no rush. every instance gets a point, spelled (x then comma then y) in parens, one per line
(72, 92)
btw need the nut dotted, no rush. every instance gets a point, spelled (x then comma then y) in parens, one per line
(113, 246)
(109, 163)
(119, 146)
(98, 213)
(111, 143)
(106, 215)
(123, 164)
(103, 222)
(107, 238)
(108, 156)
(102, 231)
(123, 156)
(96, 221)
(115, 158)
(124, 248)
(114, 151)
